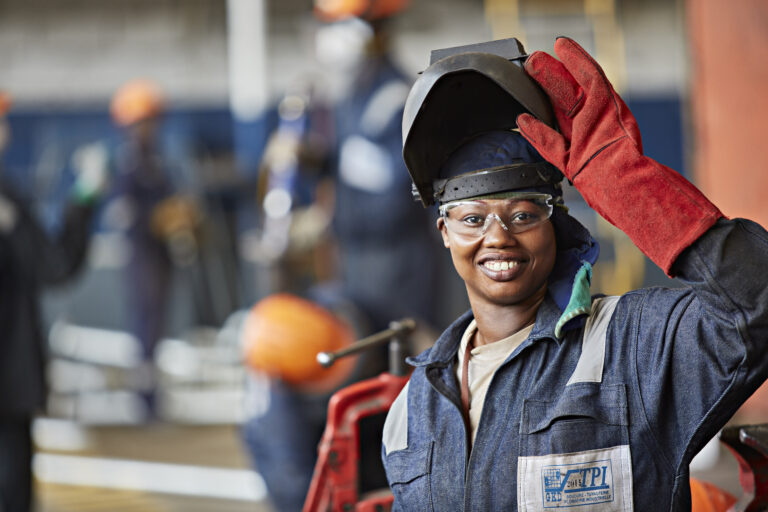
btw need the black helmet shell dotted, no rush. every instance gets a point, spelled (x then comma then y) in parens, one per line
(459, 97)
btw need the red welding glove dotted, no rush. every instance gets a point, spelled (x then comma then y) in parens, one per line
(599, 150)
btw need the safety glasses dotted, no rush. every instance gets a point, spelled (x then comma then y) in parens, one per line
(516, 214)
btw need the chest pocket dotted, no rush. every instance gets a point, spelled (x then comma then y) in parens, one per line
(574, 449)
(408, 472)
(585, 416)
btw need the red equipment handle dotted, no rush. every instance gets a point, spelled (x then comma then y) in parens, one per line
(334, 485)
(335, 482)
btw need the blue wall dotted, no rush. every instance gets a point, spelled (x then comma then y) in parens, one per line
(662, 128)
(43, 140)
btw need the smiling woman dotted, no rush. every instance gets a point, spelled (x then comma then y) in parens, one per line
(502, 244)
(498, 200)
(542, 396)
(503, 268)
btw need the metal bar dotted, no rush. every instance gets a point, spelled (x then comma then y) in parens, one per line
(396, 328)
(396, 357)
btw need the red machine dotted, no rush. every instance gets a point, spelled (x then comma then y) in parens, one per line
(336, 483)
(749, 444)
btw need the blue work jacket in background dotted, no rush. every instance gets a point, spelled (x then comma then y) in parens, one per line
(677, 363)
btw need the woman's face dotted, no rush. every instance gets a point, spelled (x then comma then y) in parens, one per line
(501, 267)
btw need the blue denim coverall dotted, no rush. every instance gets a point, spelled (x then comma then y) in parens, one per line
(677, 364)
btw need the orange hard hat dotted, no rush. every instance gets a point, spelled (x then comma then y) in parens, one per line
(136, 101)
(336, 10)
(282, 336)
(706, 497)
(5, 103)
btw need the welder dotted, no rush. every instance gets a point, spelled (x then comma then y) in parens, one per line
(142, 183)
(543, 396)
(377, 226)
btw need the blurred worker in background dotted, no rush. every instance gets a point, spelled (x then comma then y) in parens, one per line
(141, 185)
(31, 258)
(376, 227)
(295, 195)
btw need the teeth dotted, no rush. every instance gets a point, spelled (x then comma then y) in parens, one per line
(500, 265)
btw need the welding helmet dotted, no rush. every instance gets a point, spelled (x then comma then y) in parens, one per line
(465, 92)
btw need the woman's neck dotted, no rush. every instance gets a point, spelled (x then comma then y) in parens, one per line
(496, 322)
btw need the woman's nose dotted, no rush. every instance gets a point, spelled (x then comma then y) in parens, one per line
(496, 230)
(489, 221)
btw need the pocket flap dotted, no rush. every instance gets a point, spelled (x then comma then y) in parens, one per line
(409, 464)
(606, 404)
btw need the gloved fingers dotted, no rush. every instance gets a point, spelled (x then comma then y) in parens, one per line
(548, 142)
(561, 87)
(599, 93)
(584, 69)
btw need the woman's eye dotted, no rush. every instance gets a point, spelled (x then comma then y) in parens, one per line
(473, 220)
(524, 218)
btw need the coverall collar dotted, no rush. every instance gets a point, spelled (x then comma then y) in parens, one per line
(445, 348)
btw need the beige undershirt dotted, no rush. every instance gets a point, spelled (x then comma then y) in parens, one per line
(483, 363)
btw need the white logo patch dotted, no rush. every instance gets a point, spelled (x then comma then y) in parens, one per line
(600, 479)
(577, 484)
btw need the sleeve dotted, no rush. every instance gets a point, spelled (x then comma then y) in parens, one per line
(701, 351)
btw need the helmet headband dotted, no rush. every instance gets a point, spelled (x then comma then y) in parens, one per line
(496, 179)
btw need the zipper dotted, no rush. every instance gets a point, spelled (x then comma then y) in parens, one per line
(438, 385)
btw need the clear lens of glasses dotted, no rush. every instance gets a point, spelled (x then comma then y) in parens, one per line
(515, 214)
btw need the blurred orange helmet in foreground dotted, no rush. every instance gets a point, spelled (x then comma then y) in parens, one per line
(282, 336)
(706, 497)
(336, 10)
(136, 101)
(5, 103)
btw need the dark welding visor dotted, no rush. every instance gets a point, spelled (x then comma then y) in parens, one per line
(465, 91)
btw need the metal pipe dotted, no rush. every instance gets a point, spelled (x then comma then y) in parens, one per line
(397, 329)
(396, 357)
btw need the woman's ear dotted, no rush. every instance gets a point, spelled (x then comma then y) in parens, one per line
(443, 231)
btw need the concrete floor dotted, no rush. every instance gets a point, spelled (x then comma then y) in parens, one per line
(215, 447)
